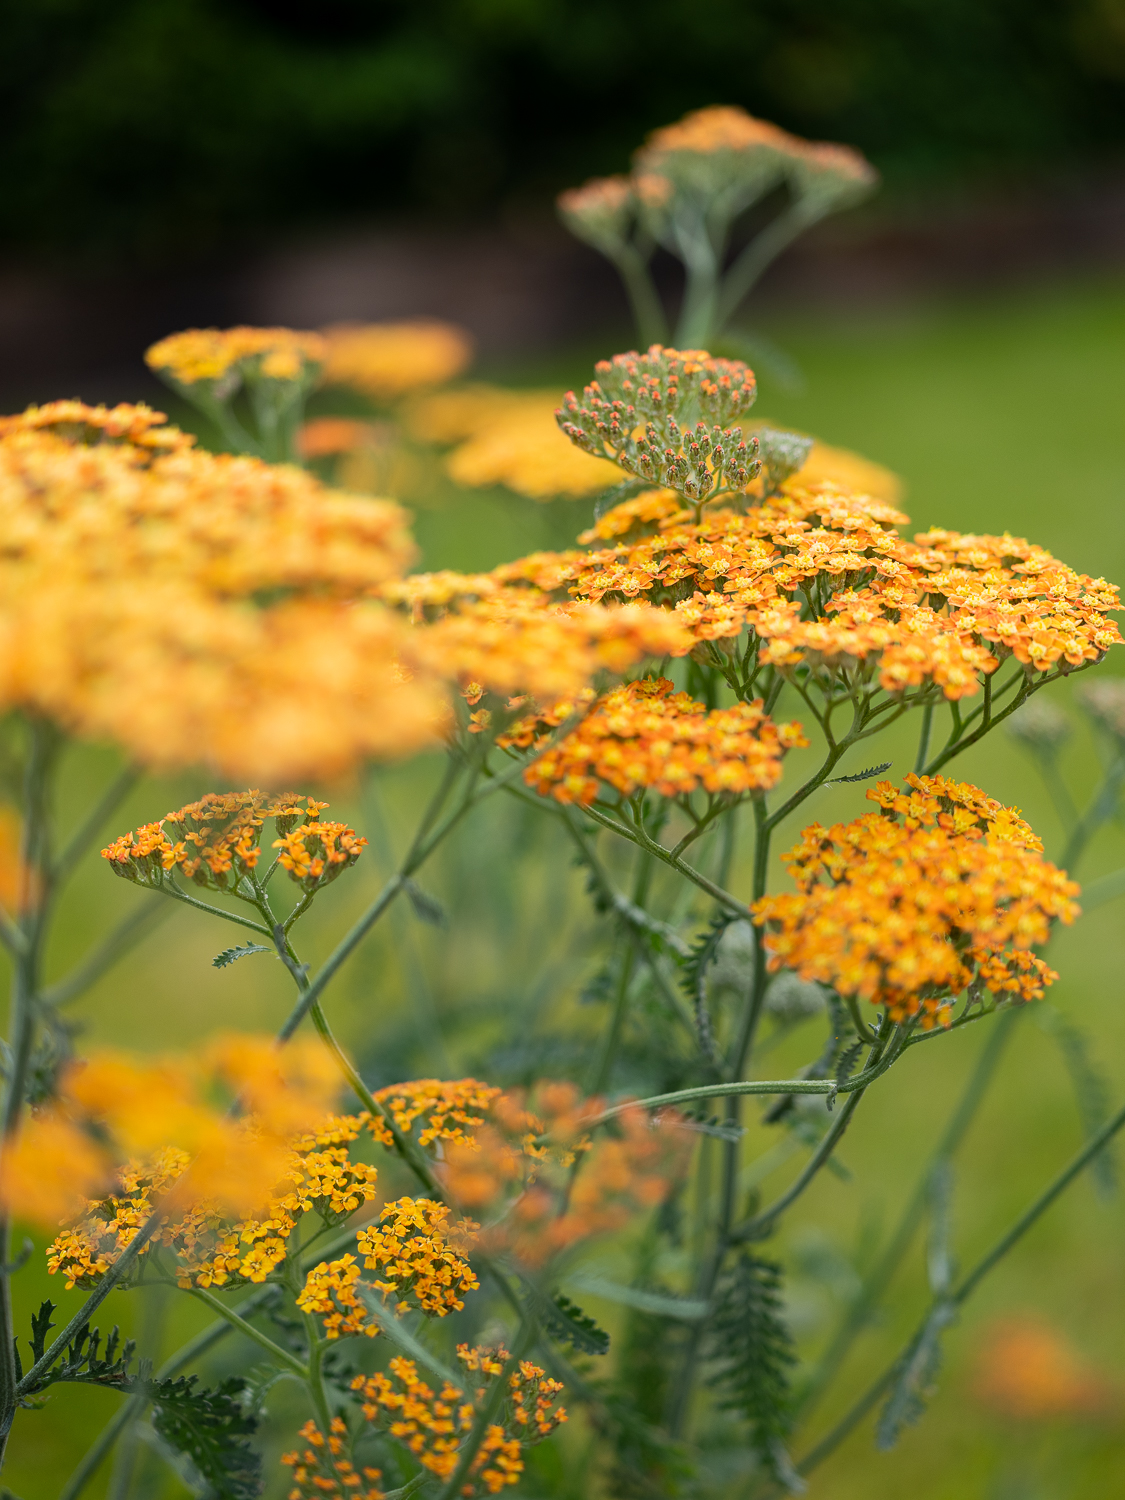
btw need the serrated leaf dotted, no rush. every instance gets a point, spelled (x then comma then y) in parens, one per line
(566, 1321)
(915, 1378)
(210, 1427)
(232, 955)
(82, 1361)
(426, 908)
(845, 1063)
(752, 1352)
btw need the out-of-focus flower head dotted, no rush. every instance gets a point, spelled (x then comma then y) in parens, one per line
(214, 1241)
(645, 734)
(942, 890)
(220, 360)
(663, 416)
(517, 1173)
(327, 437)
(386, 360)
(1041, 725)
(601, 212)
(510, 438)
(19, 883)
(433, 1424)
(115, 1113)
(1105, 703)
(322, 1471)
(137, 427)
(1029, 1372)
(199, 608)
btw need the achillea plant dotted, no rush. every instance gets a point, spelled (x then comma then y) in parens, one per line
(716, 647)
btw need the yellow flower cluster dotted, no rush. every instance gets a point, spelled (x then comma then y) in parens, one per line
(311, 1172)
(410, 1249)
(218, 356)
(433, 1425)
(330, 1291)
(112, 1111)
(141, 428)
(442, 1110)
(645, 734)
(322, 1472)
(316, 853)
(385, 360)
(940, 891)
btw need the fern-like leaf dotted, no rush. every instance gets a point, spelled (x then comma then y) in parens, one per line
(232, 955)
(693, 977)
(83, 1361)
(751, 1354)
(566, 1321)
(914, 1378)
(210, 1427)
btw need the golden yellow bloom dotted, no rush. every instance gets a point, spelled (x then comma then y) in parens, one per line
(385, 360)
(433, 1424)
(321, 1472)
(436, 1109)
(138, 427)
(410, 1251)
(204, 609)
(942, 890)
(509, 438)
(645, 734)
(311, 1171)
(222, 357)
(316, 853)
(330, 1292)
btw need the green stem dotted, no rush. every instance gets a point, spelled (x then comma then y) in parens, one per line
(924, 739)
(524, 1339)
(877, 1282)
(169, 888)
(236, 1320)
(314, 1377)
(128, 932)
(617, 1019)
(1099, 811)
(118, 789)
(762, 250)
(967, 1286)
(644, 300)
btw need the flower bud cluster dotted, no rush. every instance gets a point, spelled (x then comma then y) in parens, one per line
(662, 416)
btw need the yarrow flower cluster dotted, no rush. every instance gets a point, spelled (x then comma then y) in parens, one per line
(385, 360)
(434, 1424)
(144, 431)
(410, 1250)
(663, 417)
(322, 1471)
(940, 891)
(223, 357)
(646, 735)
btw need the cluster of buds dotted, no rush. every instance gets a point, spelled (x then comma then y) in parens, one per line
(662, 416)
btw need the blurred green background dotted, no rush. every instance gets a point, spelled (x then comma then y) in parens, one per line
(999, 413)
(151, 142)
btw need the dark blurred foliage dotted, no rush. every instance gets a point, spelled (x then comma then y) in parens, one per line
(151, 124)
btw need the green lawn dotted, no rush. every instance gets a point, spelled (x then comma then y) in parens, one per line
(1001, 413)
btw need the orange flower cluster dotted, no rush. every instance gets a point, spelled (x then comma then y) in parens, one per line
(139, 427)
(223, 357)
(385, 360)
(215, 841)
(183, 604)
(1029, 1372)
(943, 889)
(316, 853)
(330, 1292)
(313, 1173)
(113, 1110)
(410, 1249)
(433, 1425)
(516, 1173)
(817, 579)
(645, 734)
(321, 1471)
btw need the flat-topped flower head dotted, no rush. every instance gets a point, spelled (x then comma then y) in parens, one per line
(943, 890)
(433, 1424)
(323, 1470)
(216, 841)
(136, 427)
(386, 360)
(663, 416)
(646, 735)
(410, 1252)
(220, 359)
(316, 853)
